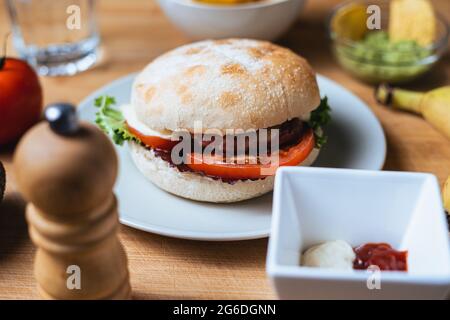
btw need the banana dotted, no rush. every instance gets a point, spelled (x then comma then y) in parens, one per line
(434, 105)
(446, 195)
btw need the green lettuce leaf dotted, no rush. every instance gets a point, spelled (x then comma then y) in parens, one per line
(319, 118)
(111, 121)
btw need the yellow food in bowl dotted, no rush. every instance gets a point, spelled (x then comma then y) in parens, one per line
(412, 20)
(226, 1)
(349, 22)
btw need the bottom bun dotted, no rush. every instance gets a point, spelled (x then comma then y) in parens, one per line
(194, 186)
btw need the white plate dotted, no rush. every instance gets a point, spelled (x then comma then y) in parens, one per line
(356, 140)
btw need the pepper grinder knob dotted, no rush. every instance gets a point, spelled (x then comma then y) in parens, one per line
(62, 118)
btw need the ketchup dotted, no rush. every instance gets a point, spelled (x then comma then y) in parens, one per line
(381, 255)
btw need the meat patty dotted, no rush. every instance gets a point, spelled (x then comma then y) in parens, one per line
(289, 133)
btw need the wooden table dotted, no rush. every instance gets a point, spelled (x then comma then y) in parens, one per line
(135, 32)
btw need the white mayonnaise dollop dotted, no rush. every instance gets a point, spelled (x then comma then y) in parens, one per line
(336, 254)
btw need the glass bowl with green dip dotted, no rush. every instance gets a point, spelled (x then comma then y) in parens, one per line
(370, 55)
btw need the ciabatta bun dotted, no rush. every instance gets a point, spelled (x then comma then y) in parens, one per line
(226, 84)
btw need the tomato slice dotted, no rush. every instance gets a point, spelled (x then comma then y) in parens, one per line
(287, 157)
(154, 142)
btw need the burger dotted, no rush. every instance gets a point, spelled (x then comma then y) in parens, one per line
(235, 88)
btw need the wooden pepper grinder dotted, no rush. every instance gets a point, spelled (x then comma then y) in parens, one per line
(66, 169)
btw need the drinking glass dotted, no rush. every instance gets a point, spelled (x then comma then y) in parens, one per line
(57, 37)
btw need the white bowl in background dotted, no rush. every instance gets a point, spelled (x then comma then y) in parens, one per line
(264, 20)
(314, 205)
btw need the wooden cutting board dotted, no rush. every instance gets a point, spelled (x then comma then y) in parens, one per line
(133, 33)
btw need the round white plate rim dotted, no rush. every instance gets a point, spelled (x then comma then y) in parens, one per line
(197, 235)
(215, 236)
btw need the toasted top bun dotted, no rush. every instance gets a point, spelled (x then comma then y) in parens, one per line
(226, 84)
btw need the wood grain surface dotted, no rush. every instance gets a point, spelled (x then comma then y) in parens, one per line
(133, 33)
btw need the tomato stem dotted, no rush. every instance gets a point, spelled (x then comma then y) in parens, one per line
(5, 47)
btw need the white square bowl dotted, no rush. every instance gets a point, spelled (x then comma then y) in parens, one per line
(314, 205)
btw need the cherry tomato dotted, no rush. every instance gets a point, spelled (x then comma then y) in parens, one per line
(20, 99)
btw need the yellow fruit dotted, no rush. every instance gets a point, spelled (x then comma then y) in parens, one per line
(434, 105)
(436, 108)
(350, 22)
(446, 195)
(412, 20)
